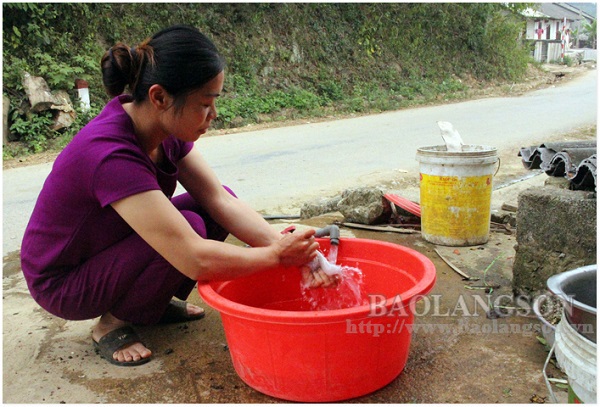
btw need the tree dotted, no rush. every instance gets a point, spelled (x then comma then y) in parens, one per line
(590, 31)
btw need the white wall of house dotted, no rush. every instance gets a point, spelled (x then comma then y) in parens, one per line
(546, 33)
(551, 29)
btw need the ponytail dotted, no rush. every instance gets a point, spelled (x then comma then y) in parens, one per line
(179, 58)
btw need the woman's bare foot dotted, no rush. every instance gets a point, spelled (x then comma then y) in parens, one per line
(194, 310)
(132, 352)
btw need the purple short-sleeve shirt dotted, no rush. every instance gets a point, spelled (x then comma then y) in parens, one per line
(72, 219)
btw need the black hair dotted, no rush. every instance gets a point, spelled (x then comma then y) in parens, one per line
(180, 58)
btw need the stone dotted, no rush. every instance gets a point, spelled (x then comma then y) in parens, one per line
(365, 206)
(319, 206)
(38, 92)
(296, 56)
(41, 99)
(64, 114)
(504, 217)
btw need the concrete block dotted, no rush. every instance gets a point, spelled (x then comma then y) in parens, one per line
(556, 232)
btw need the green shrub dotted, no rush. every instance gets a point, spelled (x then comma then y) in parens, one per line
(568, 60)
(33, 130)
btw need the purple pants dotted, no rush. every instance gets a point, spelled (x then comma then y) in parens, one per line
(130, 279)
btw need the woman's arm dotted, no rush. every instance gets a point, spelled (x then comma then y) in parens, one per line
(164, 228)
(233, 214)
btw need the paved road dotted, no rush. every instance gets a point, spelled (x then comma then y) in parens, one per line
(278, 168)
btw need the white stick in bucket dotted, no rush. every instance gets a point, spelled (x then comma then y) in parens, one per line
(451, 137)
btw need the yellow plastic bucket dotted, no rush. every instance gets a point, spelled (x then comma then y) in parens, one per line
(456, 194)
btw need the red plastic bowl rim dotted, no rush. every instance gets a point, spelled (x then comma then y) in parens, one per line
(226, 306)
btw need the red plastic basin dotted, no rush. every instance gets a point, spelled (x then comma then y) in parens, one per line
(321, 356)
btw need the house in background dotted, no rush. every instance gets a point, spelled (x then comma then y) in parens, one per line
(551, 25)
(587, 13)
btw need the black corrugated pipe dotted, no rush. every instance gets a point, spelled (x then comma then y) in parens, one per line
(333, 231)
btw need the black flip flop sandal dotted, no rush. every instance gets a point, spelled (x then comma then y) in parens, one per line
(176, 312)
(115, 340)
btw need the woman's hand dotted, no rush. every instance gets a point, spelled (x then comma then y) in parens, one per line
(296, 249)
(318, 278)
(299, 249)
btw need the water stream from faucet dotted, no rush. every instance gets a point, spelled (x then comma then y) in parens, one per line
(348, 293)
